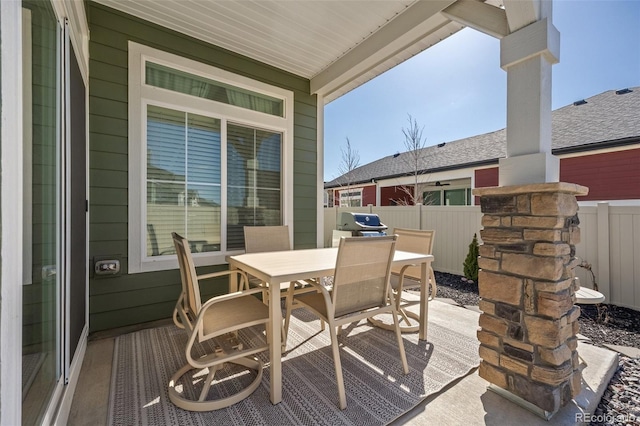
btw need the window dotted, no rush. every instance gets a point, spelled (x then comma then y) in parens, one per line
(167, 78)
(209, 152)
(432, 198)
(451, 197)
(351, 198)
(455, 197)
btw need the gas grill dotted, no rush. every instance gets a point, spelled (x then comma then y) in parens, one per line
(362, 224)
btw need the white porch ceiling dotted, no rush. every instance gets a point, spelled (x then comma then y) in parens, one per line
(338, 45)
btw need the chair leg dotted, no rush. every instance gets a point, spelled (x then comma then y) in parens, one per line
(181, 401)
(403, 355)
(207, 382)
(404, 317)
(338, 366)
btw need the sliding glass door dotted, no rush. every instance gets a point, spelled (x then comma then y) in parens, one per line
(41, 329)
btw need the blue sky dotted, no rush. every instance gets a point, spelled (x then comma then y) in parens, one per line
(457, 89)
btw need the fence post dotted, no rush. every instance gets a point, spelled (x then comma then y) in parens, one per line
(603, 272)
(419, 205)
(370, 208)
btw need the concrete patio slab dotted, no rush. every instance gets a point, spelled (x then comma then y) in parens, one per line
(447, 300)
(625, 350)
(466, 401)
(469, 402)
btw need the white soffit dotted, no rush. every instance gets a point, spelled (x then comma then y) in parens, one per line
(338, 45)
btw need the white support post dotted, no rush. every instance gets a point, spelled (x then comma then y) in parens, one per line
(603, 272)
(528, 55)
(320, 171)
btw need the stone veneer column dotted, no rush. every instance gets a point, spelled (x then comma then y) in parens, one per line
(526, 282)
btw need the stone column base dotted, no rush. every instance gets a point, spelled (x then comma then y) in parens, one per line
(529, 321)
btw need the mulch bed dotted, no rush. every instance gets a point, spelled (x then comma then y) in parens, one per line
(601, 323)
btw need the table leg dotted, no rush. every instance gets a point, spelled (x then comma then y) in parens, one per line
(424, 300)
(275, 342)
(233, 280)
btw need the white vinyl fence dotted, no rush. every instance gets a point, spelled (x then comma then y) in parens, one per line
(454, 226)
(610, 241)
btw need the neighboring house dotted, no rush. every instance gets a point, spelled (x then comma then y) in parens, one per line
(597, 140)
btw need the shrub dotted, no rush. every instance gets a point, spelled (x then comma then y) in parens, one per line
(471, 262)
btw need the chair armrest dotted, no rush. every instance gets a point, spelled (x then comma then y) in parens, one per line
(219, 299)
(228, 296)
(432, 282)
(319, 288)
(403, 270)
(244, 278)
(312, 283)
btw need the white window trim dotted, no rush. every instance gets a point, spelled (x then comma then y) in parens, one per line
(351, 197)
(140, 95)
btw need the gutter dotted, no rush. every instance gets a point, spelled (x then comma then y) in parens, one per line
(597, 145)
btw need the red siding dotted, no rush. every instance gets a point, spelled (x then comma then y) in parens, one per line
(609, 176)
(369, 195)
(485, 178)
(390, 195)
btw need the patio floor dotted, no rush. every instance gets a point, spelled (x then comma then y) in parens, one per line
(466, 401)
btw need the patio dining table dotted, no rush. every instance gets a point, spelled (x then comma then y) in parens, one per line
(274, 268)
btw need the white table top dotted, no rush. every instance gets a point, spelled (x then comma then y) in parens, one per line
(278, 267)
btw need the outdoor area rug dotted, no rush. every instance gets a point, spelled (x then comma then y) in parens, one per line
(377, 390)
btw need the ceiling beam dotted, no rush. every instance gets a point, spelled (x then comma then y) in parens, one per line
(480, 16)
(412, 25)
(521, 13)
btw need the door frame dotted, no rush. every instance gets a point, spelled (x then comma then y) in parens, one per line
(11, 196)
(71, 18)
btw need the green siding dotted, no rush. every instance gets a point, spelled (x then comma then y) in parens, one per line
(130, 299)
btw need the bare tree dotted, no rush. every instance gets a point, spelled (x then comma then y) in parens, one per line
(349, 162)
(414, 142)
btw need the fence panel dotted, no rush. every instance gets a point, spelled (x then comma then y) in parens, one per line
(609, 240)
(624, 254)
(399, 217)
(454, 226)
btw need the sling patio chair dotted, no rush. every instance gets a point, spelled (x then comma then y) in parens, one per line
(408, 277)
(259, 239)
(217, 320)
(360, 290)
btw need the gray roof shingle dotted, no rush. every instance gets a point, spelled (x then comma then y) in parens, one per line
(607, 117)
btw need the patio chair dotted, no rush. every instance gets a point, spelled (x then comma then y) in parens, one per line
(217, 320)
(259, 239)
(360, 290)
(408, 277)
